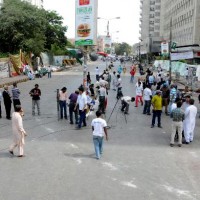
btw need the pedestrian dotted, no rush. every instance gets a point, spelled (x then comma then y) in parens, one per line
(1, 97)
(114, 81)
(119, 69)
(125, 101)
(147, 100)
(177, 116)
(157, 109)
(199, 102)
(63, 102)
(15, 95)
(82, 105)
(151, 79)
(88, 79)
(119, 87)
(97, 72)
(73, 98)
(35, 93)
(190, 119)
(139, 94)
(165, 97)
(172, 97)
(18, 132)
(49, 71)
(102, 98)
(7, 101)
(99, 129)
(132, 72)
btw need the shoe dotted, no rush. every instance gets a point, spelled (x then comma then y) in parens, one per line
(179, 145)
(0, 117)
(159, 126)
(20, 156)
(9, 118)
(152, 126)
(144, 113)
(191, 141)
(11, 152)
(186, 142)
(71, 123)
(171, 145)
(84, 125)
(78, 128)
(126, 113)
(65, 117)
(135, 106)
(148, 113)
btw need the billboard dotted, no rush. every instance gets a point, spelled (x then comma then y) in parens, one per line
(107, 43)
(164, 48)
(86, 22)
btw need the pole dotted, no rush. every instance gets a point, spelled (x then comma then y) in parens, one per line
(170, 49)
(85, 67)
(139, 54)
(57, 98)
(108, 28)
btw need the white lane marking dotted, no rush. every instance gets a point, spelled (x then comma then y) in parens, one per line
(49, 129)
(78, 160)
(178, 192)
(129, 184)
(110, 166)
(74, 146)
(194, 154)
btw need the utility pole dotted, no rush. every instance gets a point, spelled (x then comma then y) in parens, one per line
(170, 49)
(85, 66)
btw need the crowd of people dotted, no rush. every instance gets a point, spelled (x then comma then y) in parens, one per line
(154, 91)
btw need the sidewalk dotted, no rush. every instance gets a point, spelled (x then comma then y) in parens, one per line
(11, 80)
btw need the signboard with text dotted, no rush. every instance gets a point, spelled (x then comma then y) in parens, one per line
(164, 48)
(86, 22)
(107, 43)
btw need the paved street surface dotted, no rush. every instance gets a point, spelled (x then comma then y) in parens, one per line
(137, 163)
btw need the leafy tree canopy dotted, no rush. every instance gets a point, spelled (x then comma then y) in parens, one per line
(26, 27)
(121, 48)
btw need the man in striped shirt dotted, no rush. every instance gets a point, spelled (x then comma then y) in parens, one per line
(15, 95)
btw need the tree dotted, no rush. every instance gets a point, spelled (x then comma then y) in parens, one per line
(121, 48)
(26, 27)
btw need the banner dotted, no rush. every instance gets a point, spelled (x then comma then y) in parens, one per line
(182, 55)
(86, 22)
(164, 48)
(107, 43)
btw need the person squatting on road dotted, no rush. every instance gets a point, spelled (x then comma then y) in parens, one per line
(125, 101)
(7, 101)
(177, 116)
(35, 93)
(73, 98)
(15, 95)
(99, 128)
(157, 109)
(63, 102)
(18, 131)
(82, 103)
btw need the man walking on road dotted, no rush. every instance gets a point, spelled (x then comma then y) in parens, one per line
(73, 98)
(147, 100)
(99, 128)
(157, 109)
(15, 95)
(190, 119)
(97, 72)
(35, 94)
(1, 97)
(7, 101)
(82, 103)
(177, 124)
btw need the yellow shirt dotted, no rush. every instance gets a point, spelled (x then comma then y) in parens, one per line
(157, 102)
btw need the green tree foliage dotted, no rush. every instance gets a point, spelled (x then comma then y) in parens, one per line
(120, 48)
(26, 27)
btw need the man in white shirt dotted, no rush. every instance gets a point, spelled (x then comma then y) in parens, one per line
(139, 93)
(190, 119)
(99, 128)
(125, 103)
(97, 72)
(82, 103)
(147, 100)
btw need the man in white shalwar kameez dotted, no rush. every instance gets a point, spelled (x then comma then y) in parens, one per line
(18, 132)
(190, 119)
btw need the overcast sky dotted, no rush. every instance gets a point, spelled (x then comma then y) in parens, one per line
(127, 10)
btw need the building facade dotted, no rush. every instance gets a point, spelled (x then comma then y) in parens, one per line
(182, 17)
(150, 26)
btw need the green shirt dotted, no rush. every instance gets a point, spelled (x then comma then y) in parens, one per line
(157, 102)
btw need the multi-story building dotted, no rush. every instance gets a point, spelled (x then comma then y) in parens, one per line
(150, 26)
(182, 17)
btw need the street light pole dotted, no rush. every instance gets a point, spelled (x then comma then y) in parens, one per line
(170, 49)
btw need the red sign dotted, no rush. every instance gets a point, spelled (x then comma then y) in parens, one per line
(84, 2)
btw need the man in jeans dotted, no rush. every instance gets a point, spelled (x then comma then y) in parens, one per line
(82, 103)
(35, 93)
(178, 116)
(99, 128)
(147, 100)
(157, 108)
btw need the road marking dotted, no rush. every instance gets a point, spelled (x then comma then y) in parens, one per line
(129, 184)
(74, 146)
(110, 166)
(49, 129)
(194, 154)
(78, 160)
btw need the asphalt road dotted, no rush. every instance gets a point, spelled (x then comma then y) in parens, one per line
(137, 163)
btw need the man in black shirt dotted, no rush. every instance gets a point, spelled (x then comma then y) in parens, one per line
(7, 101)
(35, 93)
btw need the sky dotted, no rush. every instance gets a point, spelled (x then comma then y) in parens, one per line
(127, 25)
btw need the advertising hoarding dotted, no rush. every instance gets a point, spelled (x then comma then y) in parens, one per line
(86, 22)
(107, 43)
(164, 48)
